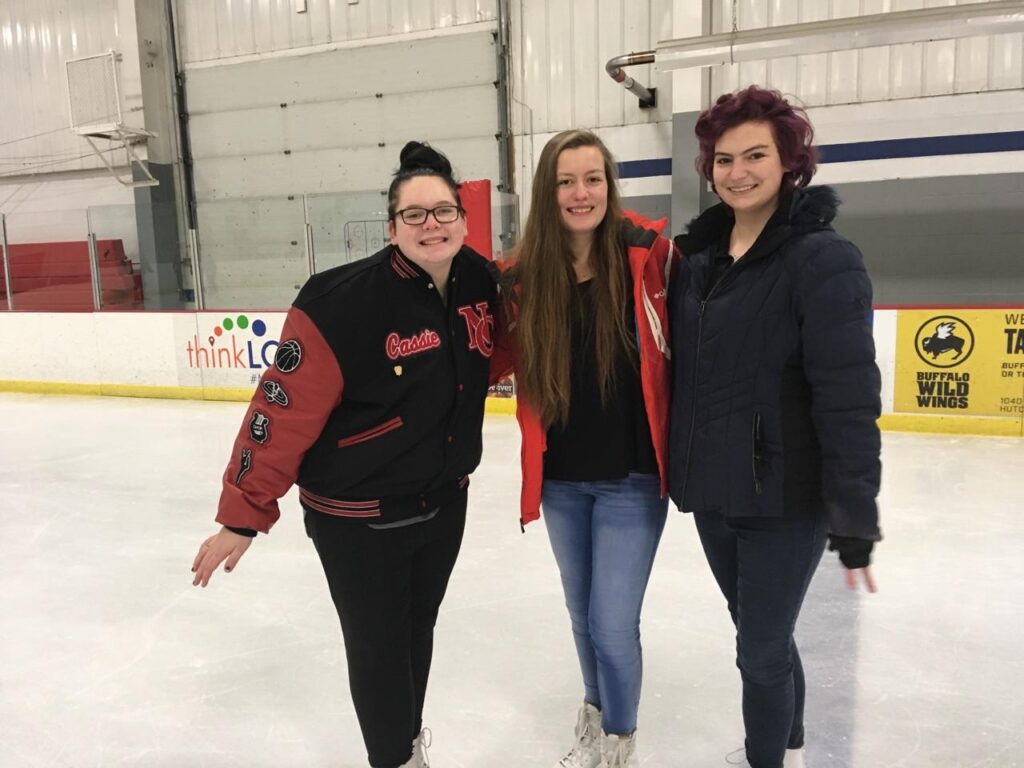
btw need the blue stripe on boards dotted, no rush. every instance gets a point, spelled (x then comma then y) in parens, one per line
(924, 146)
(635, 169)
(886, 149)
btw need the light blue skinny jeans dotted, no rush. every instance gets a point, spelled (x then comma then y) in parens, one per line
(604, 536)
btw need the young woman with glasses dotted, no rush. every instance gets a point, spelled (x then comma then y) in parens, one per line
(374, 408)
(591, 366)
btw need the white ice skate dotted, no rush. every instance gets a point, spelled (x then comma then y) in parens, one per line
(618, 751)
(586, 751)
(419, 749)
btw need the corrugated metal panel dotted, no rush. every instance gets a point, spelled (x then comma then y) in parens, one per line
(560, 48)
(343, 123)
(209, 31)
(36, 38)
(265, 132)
(876, 74)
(331, 121)
(350, 73)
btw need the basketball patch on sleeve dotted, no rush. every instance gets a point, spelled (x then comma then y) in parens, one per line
(289, 356)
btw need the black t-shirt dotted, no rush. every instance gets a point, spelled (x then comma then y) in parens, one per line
(600, 442)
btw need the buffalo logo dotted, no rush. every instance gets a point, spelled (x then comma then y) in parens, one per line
(479, 323)
(274, 393)
(259, 428)
(244, 465)
(944, 341)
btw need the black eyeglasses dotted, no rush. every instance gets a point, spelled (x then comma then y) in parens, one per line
(443, 214)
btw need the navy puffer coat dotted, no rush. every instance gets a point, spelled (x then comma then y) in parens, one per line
(776, 391)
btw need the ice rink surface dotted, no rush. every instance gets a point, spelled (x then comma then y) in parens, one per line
(109, 657)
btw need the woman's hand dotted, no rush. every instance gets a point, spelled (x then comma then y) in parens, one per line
(855, 575)
(223, 545)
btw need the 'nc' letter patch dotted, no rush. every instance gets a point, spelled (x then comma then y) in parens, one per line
(479, 323)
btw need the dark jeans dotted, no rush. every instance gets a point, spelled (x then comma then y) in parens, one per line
(763, 567)
(387, 586)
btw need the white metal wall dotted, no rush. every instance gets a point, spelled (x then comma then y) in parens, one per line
(560, 48)
(210, 31)
(269, 129)
(874, 74)
(36, 38)
(335, 121)
(559, 51)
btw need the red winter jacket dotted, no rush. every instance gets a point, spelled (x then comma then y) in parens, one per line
(651, 260)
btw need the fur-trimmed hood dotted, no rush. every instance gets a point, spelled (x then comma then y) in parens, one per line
(802, 210)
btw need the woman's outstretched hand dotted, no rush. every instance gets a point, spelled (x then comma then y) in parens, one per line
(223, 545)
(855, 575)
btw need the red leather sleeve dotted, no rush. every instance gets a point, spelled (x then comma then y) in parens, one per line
(285, 417)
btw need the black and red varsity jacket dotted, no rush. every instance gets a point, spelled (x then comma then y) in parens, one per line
(375, 401)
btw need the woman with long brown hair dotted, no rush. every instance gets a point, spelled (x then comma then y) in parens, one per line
(591, 363)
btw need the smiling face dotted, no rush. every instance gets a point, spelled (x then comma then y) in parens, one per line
(429, 244)
(748, 170)
(582, 186)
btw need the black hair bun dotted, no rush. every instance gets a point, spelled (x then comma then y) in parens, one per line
(416, 155)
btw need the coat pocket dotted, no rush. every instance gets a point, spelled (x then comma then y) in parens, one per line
(757, 454)
(369, 434)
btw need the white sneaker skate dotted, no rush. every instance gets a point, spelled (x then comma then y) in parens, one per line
(419, 749)
(794, 759)
(618, 751)
(586, 751)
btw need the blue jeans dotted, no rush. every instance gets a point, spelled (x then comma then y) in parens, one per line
(604, 535)
(763, 567)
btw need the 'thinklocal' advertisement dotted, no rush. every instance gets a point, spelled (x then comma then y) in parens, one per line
(231, 349)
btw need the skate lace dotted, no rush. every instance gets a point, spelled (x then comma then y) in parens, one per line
(619, 756)
(586, 747)
(423, 741)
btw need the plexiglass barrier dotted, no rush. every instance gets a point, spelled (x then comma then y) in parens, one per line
(346, 227)
(114, 241)
(504, 223)
(253, 252)
(48, 261)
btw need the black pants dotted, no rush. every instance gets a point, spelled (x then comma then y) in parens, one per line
(763, 567)
(387, 586)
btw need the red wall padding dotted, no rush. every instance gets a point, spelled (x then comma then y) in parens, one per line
(476, 199)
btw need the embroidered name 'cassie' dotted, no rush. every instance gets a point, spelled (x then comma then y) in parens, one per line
(397, 347)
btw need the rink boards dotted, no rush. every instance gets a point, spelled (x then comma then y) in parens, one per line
(944, 369)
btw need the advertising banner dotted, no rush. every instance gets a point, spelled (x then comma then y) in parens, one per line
(960, 362)
(229, 349)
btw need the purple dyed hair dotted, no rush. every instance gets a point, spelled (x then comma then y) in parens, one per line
(790, 126)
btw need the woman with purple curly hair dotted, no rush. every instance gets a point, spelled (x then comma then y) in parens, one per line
(774, 443)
